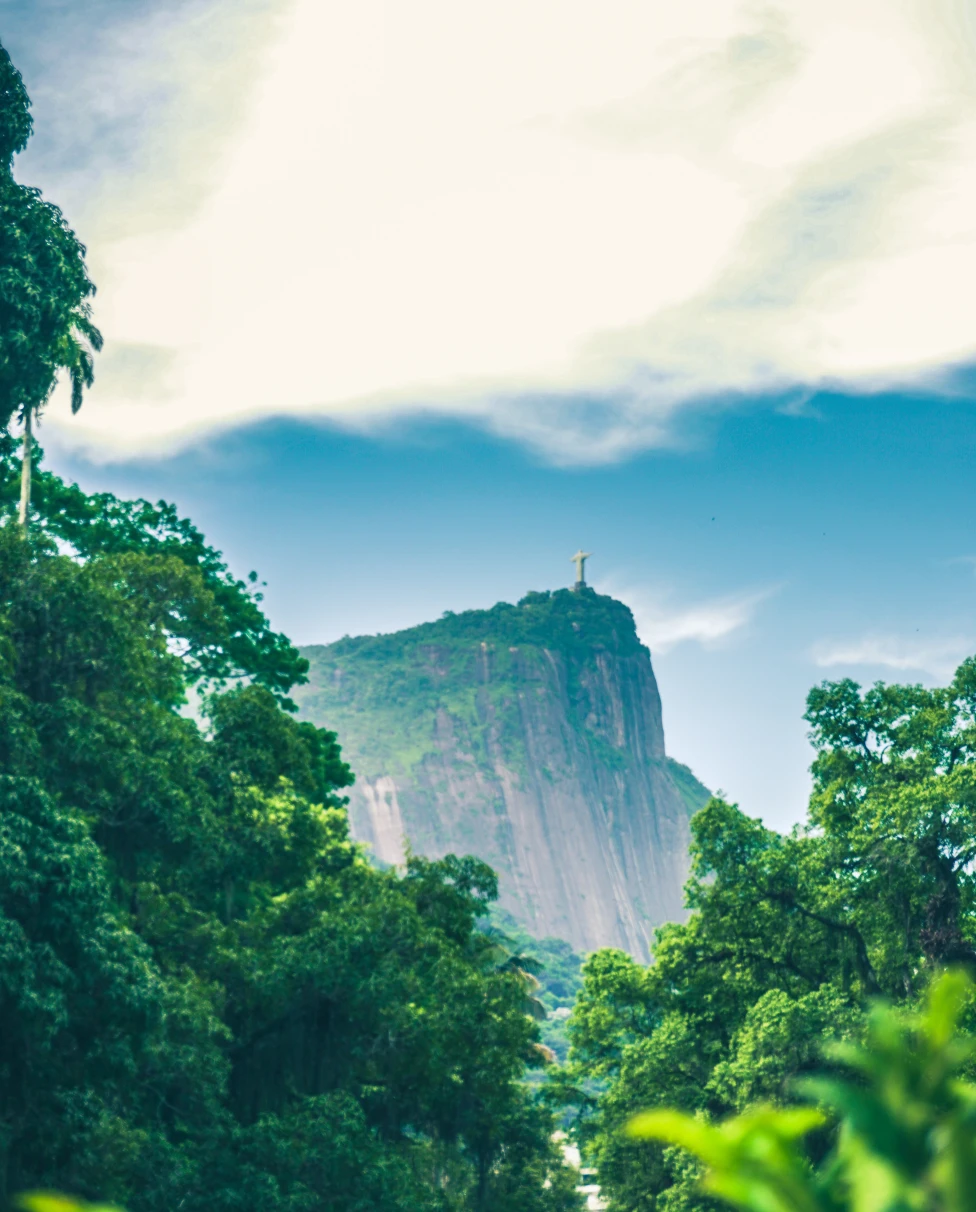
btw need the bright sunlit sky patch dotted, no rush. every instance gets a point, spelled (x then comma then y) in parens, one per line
(691, 284)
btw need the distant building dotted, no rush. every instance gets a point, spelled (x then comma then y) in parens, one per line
(589, 1187)
(588, 1184)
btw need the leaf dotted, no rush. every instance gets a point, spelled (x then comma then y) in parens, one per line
(676, 1128)
(948, 997)
(53, 1201)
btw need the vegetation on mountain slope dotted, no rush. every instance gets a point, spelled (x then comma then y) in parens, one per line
(409, 668)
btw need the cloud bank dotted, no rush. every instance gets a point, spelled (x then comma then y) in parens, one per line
(568, 222)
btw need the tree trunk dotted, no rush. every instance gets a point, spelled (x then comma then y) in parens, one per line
(25, 470)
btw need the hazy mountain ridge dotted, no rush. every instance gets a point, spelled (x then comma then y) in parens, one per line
(528, 735)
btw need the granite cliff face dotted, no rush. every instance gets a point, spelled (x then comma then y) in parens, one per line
(527, 735)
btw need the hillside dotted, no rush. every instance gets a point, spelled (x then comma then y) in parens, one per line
(528, 735)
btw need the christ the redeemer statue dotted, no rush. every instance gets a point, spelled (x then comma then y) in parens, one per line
(580, 561)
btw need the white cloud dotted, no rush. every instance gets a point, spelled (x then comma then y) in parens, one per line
(663, 624)
(565, 220)
(937, 657)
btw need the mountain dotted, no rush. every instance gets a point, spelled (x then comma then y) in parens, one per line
(527, 735)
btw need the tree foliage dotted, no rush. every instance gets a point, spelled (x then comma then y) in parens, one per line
(790, 937)
(208, 997)
(223, 634)
(45, 290)
(906, 1116)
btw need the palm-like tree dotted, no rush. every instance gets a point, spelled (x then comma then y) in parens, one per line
(45, 317)
(74, 354)
(504, 957)
(525, 968)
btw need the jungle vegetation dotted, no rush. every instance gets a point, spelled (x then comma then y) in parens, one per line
(208, 995)
(791, 939)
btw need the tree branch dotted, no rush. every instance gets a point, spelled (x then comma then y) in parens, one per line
(864, 966)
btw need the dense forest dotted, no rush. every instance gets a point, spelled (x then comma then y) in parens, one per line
(211, 999)
(209, 996)
(790, 938)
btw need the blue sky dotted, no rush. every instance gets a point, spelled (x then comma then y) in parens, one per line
(403, 312)
(842, 545)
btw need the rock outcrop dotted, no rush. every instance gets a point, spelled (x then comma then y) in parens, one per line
(527, 735)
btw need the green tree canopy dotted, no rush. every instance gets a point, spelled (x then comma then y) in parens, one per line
(907, 1124)
(15, 117)
(227, 638)
(209, 997)
(789, 937)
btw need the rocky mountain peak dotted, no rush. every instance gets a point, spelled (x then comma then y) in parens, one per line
(530, 736)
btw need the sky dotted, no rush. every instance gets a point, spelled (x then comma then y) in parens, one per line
(405, 303)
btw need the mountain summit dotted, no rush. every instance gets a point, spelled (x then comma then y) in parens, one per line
(529, 736)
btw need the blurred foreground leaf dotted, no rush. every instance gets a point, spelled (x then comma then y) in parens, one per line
(53, 1201)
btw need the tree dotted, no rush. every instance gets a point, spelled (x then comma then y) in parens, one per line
(212, 997)
(226, 643)
(77, 995)
(790, 937)
(45, 313)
